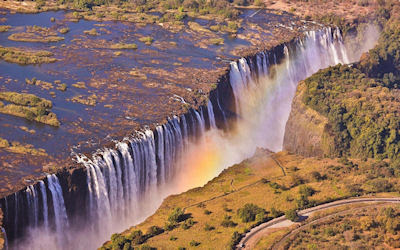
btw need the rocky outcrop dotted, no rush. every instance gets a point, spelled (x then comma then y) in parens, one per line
(306, 129)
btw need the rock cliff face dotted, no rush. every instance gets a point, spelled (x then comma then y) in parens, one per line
(306, 130)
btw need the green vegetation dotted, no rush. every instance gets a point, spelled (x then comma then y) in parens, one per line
(29, 107)
(148, 40)
(361, 102)
(90, 100)
(231, 27)
(292, 215)
(194, 243)
(250, 212)
(25, 99)
(228, 222)
(4, 143)
(62, 87)
(124, 46)
(4, 28)
(92, 32)
(64, 30)
(216, 41)
(176, 216)
(363, 116)
(363, 228)
(19, 148)
(24, 57)
(79, 85)
(32, 37)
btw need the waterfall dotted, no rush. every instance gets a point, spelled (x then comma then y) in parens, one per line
(44, 204)
(33, 205)
(211, 115)
(125, 184)
(60, 214)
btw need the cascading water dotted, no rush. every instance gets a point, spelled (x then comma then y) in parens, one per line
(126, 184)
(60, 214)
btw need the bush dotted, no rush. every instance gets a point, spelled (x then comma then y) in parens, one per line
(292, 215)
(154, 230)
(194, 243)
(275, 213)
(118, 241)
(380, 185)
(249, 212)
(148, 40)
(306, 191)
(207, 227)
(136, 237)
(234, 240)
(304, 202)
(169, 226)
(188, 224)
(227, 222)
(316, 176)
(207, 212)
(176, 216)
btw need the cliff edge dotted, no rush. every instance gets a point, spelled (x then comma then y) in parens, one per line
(305, 128)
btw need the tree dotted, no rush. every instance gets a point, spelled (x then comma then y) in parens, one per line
(176, 216)
(292, 215)
(249, 212)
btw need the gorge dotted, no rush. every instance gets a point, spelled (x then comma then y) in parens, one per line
(120, 186)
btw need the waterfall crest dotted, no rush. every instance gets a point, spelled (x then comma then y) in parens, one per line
(127, 183)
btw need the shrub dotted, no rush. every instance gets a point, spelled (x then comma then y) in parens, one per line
(188, 224)
(316, 176)
(380, 185)
(207, 212)
(234, 240)
(249, 211)
(292, 215)
(177, 215)
(154, 230)
(194, 243)
(63, 30)
(306, 191)
(275, 213)
(173, 238)
(227, 222)
(127, 246)
(136, 237)
(304, 202)
(207, 227)
(148, 40)
(169, 226)
(118, 241)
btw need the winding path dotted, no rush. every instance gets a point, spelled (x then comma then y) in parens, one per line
(254, 235)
